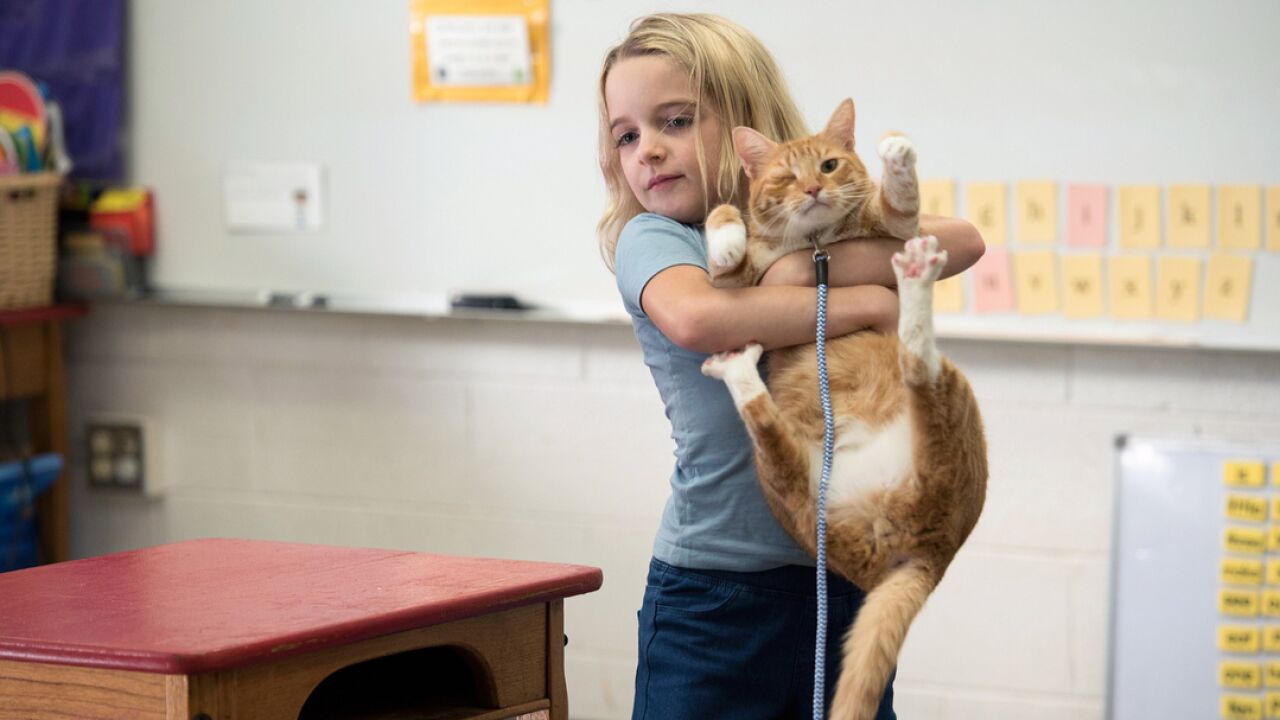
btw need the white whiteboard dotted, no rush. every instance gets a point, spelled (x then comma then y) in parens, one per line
(1168, 546)
(425, 199)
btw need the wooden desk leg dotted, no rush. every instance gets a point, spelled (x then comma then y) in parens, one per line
(49, 430)
(557, 691)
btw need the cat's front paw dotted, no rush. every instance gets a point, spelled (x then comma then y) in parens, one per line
(919, 261)
(726, 238)
(897, 152)
(720, 365)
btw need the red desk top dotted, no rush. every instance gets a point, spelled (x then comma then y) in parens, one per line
(205, 605)
(48, 313)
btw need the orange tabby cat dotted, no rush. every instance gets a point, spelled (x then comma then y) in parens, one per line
(909, 469)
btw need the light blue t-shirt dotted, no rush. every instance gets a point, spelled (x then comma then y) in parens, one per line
(716, 517)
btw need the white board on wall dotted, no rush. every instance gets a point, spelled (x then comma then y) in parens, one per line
(1171, 522)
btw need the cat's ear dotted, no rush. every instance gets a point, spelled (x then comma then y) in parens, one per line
(840, 128)
(752, 148)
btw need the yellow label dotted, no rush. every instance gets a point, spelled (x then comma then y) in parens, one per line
(1036, 280)
(1037, 203)
(1245, 540)
(1139, 216)
(1247, 507)
(948, 295)
(1130, 287)
(1239, 675)
(985, 207)
(1271, 675)
(1227, 286)
(1273, 217)
(1271, 639)
(1273, 705)
(1189, 216)
(1242, 603)
(1237, 707)
(1178, 289)
(1243, 473)
(1271, 603)
(1239, 638)
(1273, 566)
(1275, 502)
(1275, 475)
(938, 197)
(1239, 216)
(1237, 571)
(1082, 286)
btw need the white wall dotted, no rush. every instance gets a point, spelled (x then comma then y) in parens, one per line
(547, 442)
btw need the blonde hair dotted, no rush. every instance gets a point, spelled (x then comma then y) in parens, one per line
(731, 71)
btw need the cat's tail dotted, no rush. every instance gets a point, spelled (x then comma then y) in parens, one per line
(872, 646)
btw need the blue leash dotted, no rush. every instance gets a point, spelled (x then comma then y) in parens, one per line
(820, 646)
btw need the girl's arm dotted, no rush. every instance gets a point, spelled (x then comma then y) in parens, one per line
(697, 316)
(865, 261)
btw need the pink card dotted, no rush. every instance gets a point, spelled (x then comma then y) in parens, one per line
(993, 282)
(1087, 215)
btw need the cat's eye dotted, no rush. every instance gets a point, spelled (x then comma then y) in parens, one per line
(829, 165)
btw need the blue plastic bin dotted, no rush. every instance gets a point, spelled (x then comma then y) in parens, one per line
(20, 483)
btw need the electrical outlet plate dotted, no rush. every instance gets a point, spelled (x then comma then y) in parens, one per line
(120, 454)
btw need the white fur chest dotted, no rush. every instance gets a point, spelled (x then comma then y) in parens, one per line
(864, 460)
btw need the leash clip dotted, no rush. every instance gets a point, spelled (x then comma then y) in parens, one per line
(820, 265)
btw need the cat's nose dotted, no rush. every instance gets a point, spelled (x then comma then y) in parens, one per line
(813, 191)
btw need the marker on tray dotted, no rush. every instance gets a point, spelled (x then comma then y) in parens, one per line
(478, 301)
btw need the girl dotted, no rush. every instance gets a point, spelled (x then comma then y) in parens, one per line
(728, 614)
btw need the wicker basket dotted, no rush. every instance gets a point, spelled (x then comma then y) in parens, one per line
(28, 239)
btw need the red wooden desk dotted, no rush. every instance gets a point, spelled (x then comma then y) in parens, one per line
(32, 369)
(241, 629)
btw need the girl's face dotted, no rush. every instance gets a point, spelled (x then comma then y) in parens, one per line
(651, 109)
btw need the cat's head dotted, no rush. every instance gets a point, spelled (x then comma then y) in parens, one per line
(808, 184)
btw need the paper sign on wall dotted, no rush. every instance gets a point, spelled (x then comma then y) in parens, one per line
(1178, 289)
(480, 50)
(1273, 218)
(1139, 216)
(985, 208)
(1082, 289)
(1130, 287)
(1239, 207)
(1037, 282)
(1087, 215)
(1227, 288)
(1189, 216)
(938, 197)
(992, 283)
(948, 295)
(1037, 203)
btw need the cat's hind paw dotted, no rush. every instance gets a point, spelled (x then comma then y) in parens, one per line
(721, 365)
(726, 238)
(897, 152)
(920, 260)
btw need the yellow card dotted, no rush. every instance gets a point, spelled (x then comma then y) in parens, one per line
(1271, 675)
(1037, 203)
(1244, 540)
(1082, 286)
(1037, 282)
(986, 209)
(480, 50)
(938, 197)
(1189, 216)
(1239, 638)
(1243, 473)
(1227, 287)
(948, 295)
(1238, 571)
(1139, 216)
(1271, 603)
(1273, 545)
(1273, 705)
(1240, 674)
(1243, 603)
(1241, 707)
(1239, 210)
(1271, 639)
(1273, 217)
(1178, 289)
(1247, 507)
(1275, 475)
(1130, 287)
